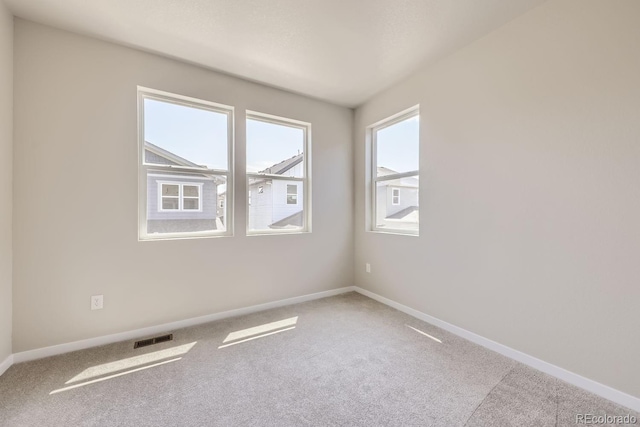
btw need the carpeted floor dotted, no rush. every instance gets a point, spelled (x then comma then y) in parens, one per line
(344, 360)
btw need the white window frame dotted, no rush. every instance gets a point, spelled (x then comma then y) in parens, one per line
(144, 169)
(305, 179)
(292, 194)
(393, 196)
(375, 179)
(181, 196)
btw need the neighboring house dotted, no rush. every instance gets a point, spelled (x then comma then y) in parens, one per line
(277, 203)
(397, 199)
(180, 202)
(221, 205)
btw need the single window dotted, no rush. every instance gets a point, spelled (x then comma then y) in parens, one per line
(395, 173)
(395, 196)
(185, 148)
(278, 153)
(292, 194)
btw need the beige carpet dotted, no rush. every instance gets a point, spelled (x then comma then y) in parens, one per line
(344, 360)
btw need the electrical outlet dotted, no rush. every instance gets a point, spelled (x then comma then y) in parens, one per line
(367, 267)
(97, 302)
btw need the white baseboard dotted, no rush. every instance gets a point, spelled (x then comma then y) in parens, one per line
(40, 353)
(6, 364)
(602, 390)
(594, 387)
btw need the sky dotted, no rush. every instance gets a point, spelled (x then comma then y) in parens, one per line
(398, 146)
(269, 144)
(200, 136)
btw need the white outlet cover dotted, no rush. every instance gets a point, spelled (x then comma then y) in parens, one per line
(368, 268)
(97, 302)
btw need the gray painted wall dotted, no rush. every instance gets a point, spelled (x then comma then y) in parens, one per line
(88, 124)
(6, 178)
(529, 231)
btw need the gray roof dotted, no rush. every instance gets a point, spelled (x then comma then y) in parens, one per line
(163, 155)
(283, 166)
(403, 213)
(407, 181)
(173, 158)
(294, 220)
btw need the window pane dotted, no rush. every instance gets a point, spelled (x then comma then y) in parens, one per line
(190, 204)
(190, 190)
(270, 209)
(170, 190)
(184, 135)
(274, 149)
(292, 194)
(170, 203)
(397, 147)
(201, 213)
(400, 211)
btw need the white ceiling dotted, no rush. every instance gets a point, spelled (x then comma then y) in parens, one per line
(342, 51)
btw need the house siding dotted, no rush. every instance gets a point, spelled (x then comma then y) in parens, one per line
(408, 198)
(297, 171)
(261, 208)
(209, 196)
(153, 158)
(280, 207)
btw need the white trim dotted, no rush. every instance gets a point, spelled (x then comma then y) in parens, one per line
(196, 176)
(180, 196)
(393, 190)
(395, 118)
(40, 353)
(599, 389)
(6, 364)
(592, 386)
(292, 194)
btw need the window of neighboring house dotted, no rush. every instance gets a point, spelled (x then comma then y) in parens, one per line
(292, 194)
(179, 196)
(395, 147)
(278, 170)
(395, 196)
(185, 152)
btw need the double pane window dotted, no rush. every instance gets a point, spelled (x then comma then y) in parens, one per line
(185, 166)
(395, 174)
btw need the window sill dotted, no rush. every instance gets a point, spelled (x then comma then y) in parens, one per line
(164, 237)
(396, 232)
(276, 233)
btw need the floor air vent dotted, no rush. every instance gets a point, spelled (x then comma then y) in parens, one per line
(151, 341)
